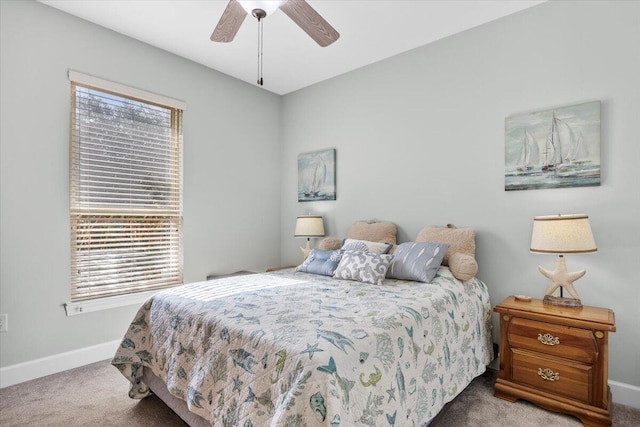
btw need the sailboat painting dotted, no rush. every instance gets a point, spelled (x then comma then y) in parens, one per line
(555, 148)
(317, 176)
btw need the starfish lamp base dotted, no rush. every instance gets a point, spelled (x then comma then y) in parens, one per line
(563, 279)
(306, 250)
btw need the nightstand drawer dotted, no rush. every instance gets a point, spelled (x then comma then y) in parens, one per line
(572, 380)
(562, 341)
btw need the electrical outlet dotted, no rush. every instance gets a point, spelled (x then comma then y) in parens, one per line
(4, 322)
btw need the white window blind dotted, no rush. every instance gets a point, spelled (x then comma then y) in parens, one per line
(126, 193)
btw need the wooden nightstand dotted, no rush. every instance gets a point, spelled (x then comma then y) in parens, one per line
(556, 357)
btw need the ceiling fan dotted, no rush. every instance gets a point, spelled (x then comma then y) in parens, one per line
(298, 10)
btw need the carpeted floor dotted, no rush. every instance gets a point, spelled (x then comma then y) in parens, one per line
(96, 395)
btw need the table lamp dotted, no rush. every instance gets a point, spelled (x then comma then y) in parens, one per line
(309, 226)
(562, 234)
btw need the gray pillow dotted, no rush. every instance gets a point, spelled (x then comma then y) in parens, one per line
(363, 267)
(417, 261)
(365, 246)
(320, 262)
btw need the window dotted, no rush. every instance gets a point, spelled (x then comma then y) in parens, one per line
(126, 189)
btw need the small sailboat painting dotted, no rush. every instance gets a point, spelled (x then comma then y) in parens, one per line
(317, 176)
(555, 148)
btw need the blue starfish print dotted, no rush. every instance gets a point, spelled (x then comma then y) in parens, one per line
(392, 393)
(311, 349)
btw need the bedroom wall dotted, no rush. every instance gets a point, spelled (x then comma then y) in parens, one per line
(420, 141)
(229, 215)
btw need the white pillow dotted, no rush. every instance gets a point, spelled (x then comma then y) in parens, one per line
(365, 246)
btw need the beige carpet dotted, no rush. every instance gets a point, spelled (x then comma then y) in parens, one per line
(96, 395)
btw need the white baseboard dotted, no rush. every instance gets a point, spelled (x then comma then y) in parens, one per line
(625, 394)
(21, 372)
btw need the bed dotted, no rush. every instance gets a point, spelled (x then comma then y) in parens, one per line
(288, 348)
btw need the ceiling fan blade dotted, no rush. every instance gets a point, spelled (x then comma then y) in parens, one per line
(229, 23)
(310, 21)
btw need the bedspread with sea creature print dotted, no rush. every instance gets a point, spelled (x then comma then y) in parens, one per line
(295, 349)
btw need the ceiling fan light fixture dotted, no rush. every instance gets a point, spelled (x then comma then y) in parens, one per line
(269, 6)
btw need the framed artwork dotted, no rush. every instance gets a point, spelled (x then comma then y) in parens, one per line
(317, 176)
(554, 148)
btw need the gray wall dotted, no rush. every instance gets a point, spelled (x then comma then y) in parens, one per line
(231, 179)
(420, 141)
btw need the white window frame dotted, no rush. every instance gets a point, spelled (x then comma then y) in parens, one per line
(93, 82)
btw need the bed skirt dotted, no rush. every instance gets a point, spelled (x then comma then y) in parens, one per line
(179, 406)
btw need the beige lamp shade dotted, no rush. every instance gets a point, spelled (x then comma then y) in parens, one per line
(309, 226)
(562, 234)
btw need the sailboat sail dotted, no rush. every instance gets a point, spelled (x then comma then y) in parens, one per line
(578, 151)
(530, 155)
(558, 141)
(315, 177)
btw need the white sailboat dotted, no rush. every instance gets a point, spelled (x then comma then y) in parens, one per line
(315, 177)
(578, 153)
(530, 155)
(577, 163)
(553, 148)
(570, 155)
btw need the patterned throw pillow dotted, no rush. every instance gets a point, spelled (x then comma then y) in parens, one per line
(365, 246)
(363, 267)
(417, 261)
(321, 262)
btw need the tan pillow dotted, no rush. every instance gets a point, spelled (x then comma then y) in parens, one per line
(373, 231)
(463, 266)
(330, 244)
(333, 244)
(460, 240)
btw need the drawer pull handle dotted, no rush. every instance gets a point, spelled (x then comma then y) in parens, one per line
(548, 374)
(548, 339)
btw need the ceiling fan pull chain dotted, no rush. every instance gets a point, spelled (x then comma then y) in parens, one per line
(260, 50)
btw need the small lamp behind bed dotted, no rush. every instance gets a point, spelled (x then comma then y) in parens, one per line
(562, 234)
(309, 226)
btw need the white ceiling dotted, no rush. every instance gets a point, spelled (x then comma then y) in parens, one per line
(369, 31)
